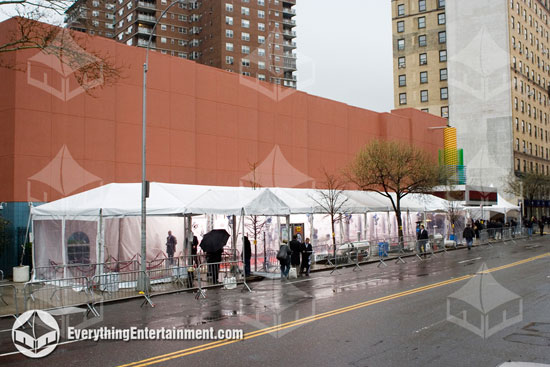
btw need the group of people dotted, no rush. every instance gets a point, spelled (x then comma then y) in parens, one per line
(297, 255)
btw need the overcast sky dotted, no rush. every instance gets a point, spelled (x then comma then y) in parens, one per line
(345, 51)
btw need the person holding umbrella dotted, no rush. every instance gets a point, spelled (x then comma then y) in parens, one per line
(212, 243)
(247, 255)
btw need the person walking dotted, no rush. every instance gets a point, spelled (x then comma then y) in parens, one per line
(529, 226)
(422, 240)
(468, 235)
(541, 226)
(284, 260)
(247, 255)
(171, 243)
(295, 248)
(307, 250)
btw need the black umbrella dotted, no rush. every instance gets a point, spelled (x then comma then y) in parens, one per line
(214, 240)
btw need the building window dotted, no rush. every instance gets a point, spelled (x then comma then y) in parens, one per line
(261, 14)
(229, 20)
(245, 49)
(423, 59)
(228, 33)
(442, 37)
(517, 144)
(261, 39)
(245, 23)
(261, 52)
(423, 77)
(261, 3)
(401, 44)
(228, 46)
(421, 5)
(228, 7)
(402, 80)
(517, 124)
(245, 36)
(445, 112)
(423, 96)
(442, 55)
(245, 63)
(422, 22)
(401, 63)
(261, 27)
(444, 93)
(443, 74)
(261, 65)
(401, 9)
(245, 11)
(163, 39)
(441, 18)
(229, 60)
(427, 110)
(400, 27)
(261, 77)
(422, 40)
(440, 3)
(402, 98)
(163, 27)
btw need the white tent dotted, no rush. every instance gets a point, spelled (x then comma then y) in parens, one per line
(503, 207)
(109, 216)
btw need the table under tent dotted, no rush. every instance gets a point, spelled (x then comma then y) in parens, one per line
(103, 225)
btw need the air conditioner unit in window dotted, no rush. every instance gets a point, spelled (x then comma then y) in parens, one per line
(401, 66)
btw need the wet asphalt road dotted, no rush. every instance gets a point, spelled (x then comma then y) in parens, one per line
(394, 329)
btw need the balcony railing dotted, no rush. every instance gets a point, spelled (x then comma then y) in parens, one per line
(289, 55)
(144, 30)
(143, 4)
(289, 44)
(289, 11)
(143, 43)
(291, 22)
(290, 34)
(146, 18)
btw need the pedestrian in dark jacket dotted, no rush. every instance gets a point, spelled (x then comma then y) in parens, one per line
(284, 260)
(247, 256)
(422, 240)
(468, 235)
(295, 247)
(171, 247)
(307, 250)
(214, 258)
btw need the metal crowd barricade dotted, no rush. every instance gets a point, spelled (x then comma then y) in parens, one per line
(484, 237)
(506, 234)
(4, 305)
(271, 264)
(120, 285)
(209, 275)
(427, 249)
(175, 277)
(58, 293)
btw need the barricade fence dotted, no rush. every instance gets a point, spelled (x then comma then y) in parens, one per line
(230, 273)
(9, 303)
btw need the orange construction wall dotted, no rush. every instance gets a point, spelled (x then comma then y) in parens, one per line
(204, 126)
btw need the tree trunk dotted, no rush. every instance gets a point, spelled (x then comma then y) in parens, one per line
(399, 228)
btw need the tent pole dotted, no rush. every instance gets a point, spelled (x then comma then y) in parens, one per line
(63, 249)
(242, 251)
(365, 223)
(234, 235)
(99, 242)
(289, 234)
(311, 229)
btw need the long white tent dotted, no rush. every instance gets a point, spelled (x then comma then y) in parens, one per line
(103, 223)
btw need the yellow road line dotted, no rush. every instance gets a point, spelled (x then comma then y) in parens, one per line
(305, 320)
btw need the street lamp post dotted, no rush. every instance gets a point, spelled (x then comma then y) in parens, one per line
(144, 184)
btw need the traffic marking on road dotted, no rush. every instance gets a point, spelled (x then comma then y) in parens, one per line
(290, 324)
(469, 260)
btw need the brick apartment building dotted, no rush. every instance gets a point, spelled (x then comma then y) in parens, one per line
(250, 37)
(486, 67)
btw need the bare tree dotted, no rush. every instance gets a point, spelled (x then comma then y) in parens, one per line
(394, 170)
(530, 186)
(332, 201)
(73, 50)
(255, 223)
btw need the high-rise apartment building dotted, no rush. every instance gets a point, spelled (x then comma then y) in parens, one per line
(420, 55)
(96, 17)
(251, 37)
(485, 65)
